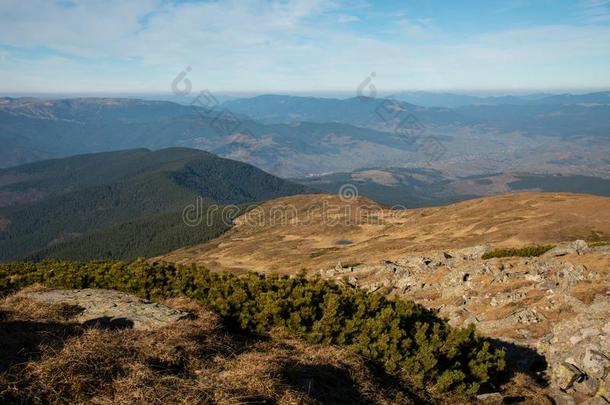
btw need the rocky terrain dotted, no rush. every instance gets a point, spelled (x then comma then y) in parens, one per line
(552, 311)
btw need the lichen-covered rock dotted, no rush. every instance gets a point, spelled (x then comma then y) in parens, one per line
(565, 375)
(604, 389)
(588, 386)
(562, 249)
(578, 352)
(595, 362)
(109, 307)
(492, 397)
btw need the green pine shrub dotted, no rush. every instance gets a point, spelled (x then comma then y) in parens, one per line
(530, 251)
(407, 340)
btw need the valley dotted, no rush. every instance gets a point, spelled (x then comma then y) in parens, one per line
(423, 187)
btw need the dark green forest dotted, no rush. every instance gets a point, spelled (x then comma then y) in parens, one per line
(122, 205)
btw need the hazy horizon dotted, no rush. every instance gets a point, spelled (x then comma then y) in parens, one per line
(319, 94)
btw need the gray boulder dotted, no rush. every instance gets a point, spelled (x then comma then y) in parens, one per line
(109, 308)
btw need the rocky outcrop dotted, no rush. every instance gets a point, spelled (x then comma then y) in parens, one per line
(556, 305)
(109, 308)
(578, 353)
(566, 248)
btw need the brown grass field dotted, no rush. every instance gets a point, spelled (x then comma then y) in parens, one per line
(47, 357)
(288, 234)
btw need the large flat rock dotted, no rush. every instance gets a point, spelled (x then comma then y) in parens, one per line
(109, 308)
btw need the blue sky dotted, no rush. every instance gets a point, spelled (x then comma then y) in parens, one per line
(139, 46)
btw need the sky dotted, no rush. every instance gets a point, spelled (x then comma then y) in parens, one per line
(141, 46)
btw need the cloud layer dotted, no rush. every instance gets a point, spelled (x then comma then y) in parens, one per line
(301, 45)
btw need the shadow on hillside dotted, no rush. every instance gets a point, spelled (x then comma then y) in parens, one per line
(323, 382)
(108, 323)
(328, 384)
(22, 340)
(522, 359)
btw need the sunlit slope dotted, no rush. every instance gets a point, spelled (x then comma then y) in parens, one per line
(314, 231)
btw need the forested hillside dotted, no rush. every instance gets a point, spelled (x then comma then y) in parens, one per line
(122, 204)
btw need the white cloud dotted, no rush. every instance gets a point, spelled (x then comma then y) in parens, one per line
(596, 10)
(274, 45)
(345, 18)
(415, 29)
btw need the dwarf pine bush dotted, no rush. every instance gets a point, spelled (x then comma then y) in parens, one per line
(530, 251)
(409, 341)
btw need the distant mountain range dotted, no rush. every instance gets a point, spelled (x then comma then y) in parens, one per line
(123, 204)
(35, 129)
(451, 100)
(297, 136)
(562, 116)
(363, 112)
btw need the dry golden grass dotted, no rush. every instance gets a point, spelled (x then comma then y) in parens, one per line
(190, 361)
(523, 389)
(308, 235)
(34, 310)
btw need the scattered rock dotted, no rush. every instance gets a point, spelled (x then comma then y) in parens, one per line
(604, 389)
(565, 375)
(555, 303)
(506, 298)
(561, 398)
(490, 397)
(527, 316)
(587, 386)
(471, 253)
(595, 362)
(352, 281)
(578, 350)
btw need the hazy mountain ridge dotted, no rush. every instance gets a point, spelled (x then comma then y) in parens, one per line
(298, 136)
(558, 116)
(359, 111)
(42, 132)
(450, 100)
